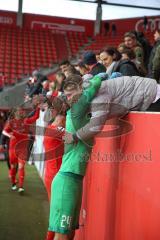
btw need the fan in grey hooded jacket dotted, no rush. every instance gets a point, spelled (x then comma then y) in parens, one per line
(115, 98)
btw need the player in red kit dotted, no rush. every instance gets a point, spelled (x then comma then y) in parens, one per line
(17, 129)
(54, 146)
(54, 149)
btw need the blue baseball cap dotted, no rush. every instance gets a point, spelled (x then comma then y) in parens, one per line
(89, 58)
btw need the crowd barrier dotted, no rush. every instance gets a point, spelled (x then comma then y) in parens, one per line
(121, 188)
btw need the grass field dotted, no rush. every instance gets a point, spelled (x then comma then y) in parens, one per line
(23, 217)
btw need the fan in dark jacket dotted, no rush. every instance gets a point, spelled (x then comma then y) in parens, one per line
(34, 86)
(126, 67)
(37, 85)
(111, 59)
(90, 61)
(154, 60)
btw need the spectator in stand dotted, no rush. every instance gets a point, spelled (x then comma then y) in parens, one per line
(128, 54)
(121, 47)
(116, 97)
(29, 87)
(52, 86)
(35, 73)
(64, 65)
(107, 28)
(53, 92)
(111, 59)
(147, 48)
(114, 30)
(45, 87)
(90, 61)
(154, 61)
(98, 57)
(71, 70)
(60, 78)
(145, 23)
(56, 87)
(82, 68)
(37, 88)
(131, 42)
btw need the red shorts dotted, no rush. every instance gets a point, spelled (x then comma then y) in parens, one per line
(51, 169)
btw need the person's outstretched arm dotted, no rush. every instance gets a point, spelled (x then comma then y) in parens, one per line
(80, 108)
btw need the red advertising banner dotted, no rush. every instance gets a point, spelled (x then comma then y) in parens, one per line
(58, 24)
(8, 18)
(125, 25)
(121, 187)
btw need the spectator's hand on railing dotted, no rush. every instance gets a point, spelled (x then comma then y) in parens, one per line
(115, 75)
(103, 76)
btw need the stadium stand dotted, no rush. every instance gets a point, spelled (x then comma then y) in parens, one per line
(100, 42)
(75, 41)
(23, 50)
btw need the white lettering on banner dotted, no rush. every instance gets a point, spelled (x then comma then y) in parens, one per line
(6, 20)
(58, 26)
(153, 23)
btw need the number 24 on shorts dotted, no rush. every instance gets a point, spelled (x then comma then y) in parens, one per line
(66, 221)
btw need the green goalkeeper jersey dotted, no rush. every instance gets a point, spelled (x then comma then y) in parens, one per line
(76, 155)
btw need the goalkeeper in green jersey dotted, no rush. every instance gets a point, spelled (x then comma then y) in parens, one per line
(66, 192)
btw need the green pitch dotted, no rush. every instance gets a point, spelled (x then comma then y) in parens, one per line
(23, 217)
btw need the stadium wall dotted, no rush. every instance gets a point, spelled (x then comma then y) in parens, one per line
(121, 187)
(59, 24)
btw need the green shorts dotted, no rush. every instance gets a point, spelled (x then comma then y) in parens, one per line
(66, 198)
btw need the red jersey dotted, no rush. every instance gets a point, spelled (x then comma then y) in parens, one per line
(20, 131)
(17, 129)
(53, 143)
(54, 148)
